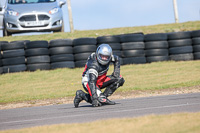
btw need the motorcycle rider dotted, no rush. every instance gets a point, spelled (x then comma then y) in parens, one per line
(94, 78)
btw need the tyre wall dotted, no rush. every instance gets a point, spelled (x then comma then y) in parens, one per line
(61, 53)
(82, 48)
(196, 44)
(37, 55)
(180, 46)
(13, 56)
(156, 47)
(133, 48)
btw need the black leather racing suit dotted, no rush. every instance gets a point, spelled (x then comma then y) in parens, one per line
(94, 77)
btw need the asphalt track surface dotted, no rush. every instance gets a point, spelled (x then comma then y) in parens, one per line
(66, 113)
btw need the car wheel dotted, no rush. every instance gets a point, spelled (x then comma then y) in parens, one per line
(5, 32)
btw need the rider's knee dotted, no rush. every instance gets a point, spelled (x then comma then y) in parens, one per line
(121, 81)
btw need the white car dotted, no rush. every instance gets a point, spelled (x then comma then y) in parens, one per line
(1, 17)
(32, 15)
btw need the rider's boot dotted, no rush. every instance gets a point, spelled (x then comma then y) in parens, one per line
(80, 95)
(105, 101)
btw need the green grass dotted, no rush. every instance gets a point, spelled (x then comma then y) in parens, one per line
(173, 123)
(62, 83)
(161, 28)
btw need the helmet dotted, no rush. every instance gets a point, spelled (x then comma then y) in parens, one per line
(104, 53)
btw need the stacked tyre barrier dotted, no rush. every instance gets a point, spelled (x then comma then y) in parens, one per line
(156, 47)
(133, 49)
(61, 53)
(1, 65)
(13, 57)
(180, 46)
(114, 42)
(196, 44)
(83, 47)
(37, 55)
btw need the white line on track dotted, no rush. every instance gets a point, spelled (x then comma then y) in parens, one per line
(159, 107)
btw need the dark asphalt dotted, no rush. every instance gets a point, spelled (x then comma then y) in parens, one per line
(66, 113)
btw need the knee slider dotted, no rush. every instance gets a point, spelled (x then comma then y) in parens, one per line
(121, 81)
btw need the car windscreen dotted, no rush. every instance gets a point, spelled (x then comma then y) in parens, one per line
(29, 1)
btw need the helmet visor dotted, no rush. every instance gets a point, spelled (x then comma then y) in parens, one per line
(104, 57)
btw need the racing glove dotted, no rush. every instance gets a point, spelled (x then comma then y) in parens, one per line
(96, 103)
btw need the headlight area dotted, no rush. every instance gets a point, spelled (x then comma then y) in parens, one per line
(54, 10)
(12, 12)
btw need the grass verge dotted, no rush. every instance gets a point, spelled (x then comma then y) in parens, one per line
(173, 123)
(63, 83)
(160, 28)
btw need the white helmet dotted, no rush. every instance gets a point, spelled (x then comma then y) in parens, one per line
(104, 53)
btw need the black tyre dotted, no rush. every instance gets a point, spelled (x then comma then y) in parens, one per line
(36, 52)
(181, 50)
(157, 58)
(133, 53)
(37, 44)
(82, 56)
(62, 57)
(179, 35)
(13, 53)
(156, 45)
(13, 61)
(64, 64)
(108, 39)
(195, 33)
(140, 33)
(1, 70)
(0, 63)
(14, 68)
(115, 46)
(60, 42)
(118, 53)
(38, 59)
(196, 48)
(84, 41)
(61, 50)
(180, 42)
(197, 56)
(39, 66)
(80, 63)
(84, 49)
(155, 37)
(182, 57)
(12, 45)
(196, 41)
(23, 41)
(157, 52)
(133, 45)
(132, 38)
(2, 42)
(134, 60)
